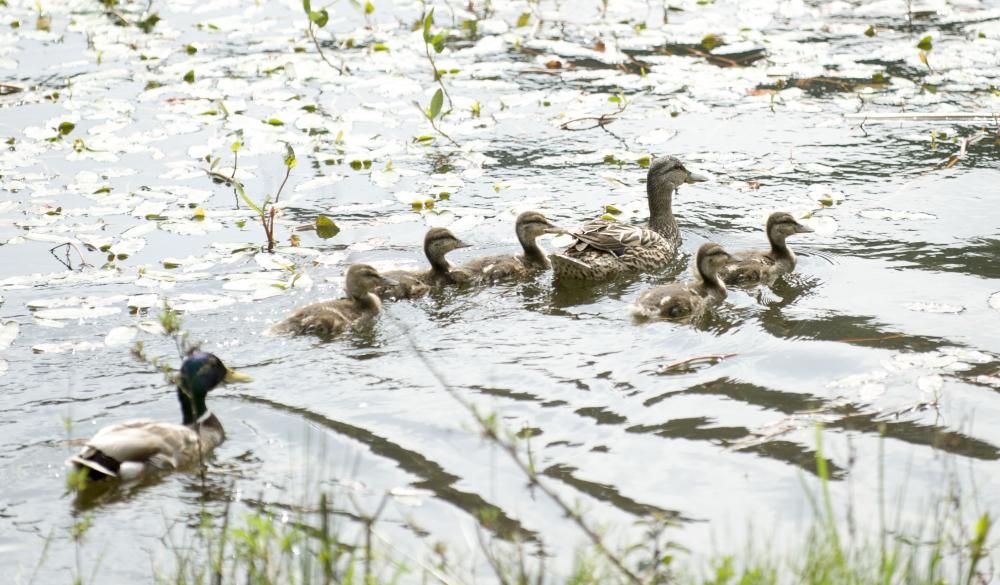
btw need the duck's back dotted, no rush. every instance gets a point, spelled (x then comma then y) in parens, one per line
(412, 284)
(755, 267)
(605, 248)
(500, 267)
(325, 319)
(671, 301)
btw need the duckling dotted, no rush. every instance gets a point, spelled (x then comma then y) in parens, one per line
(690, 299)
(413, 284)
(135, 448)
(329, 318)
(606, 248)
(766, 266)
(528, 227)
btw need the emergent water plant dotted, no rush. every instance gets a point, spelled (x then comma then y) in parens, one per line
(267, 210)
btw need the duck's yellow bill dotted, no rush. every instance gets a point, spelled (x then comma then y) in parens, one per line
(234, 376)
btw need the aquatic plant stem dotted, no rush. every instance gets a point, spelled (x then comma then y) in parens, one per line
(488, 429)
(319, 49)
(438, 78)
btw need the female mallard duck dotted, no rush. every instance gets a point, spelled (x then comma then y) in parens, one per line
(329, 318)
(689, 299)
(412, 284)
(607, 248)
(529, 226)
(766, 266)
(131, 449)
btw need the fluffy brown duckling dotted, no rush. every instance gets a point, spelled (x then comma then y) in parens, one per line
(329, 318)
(416, 283)
(528, 227)
(685, 300)
(765, 266)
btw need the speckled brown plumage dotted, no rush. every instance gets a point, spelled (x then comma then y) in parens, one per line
(605, 248)
(687, 300)
(528, 227)
(330, 318)
(765, 266)
(411, 284)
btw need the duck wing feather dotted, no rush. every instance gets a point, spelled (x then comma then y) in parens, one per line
(612, 236)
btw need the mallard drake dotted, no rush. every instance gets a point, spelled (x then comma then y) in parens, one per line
(329, 318)
(416, 283)
(687, 299)
(766, 266)
(605, 248)
(135, 448)
(528, 227)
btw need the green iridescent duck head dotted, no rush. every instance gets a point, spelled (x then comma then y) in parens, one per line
(199, 374)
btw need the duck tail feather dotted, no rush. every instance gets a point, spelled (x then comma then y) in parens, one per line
(95, 470)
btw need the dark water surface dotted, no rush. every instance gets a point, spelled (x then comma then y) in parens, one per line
(886, 329)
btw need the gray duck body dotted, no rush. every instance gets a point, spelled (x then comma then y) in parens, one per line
(604, 249)
(136, 448)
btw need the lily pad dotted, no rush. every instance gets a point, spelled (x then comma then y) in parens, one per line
(120, 336)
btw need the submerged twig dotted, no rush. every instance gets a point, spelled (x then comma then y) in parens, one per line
(68, 263)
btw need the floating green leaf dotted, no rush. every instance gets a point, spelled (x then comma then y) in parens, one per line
(369, 7)
(190, 49)
(925, 44)
(148, 23)
(65, 128)
(524, 19)
(274, 122)
(189, 76)
(611, 209)
(320, 18)
(290, 160)
(870, 31)
(325, 227)
(711, 41)
(643, 162)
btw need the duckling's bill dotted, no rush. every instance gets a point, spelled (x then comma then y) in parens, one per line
(695, 178)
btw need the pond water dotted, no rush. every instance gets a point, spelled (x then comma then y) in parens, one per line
(889, 327)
